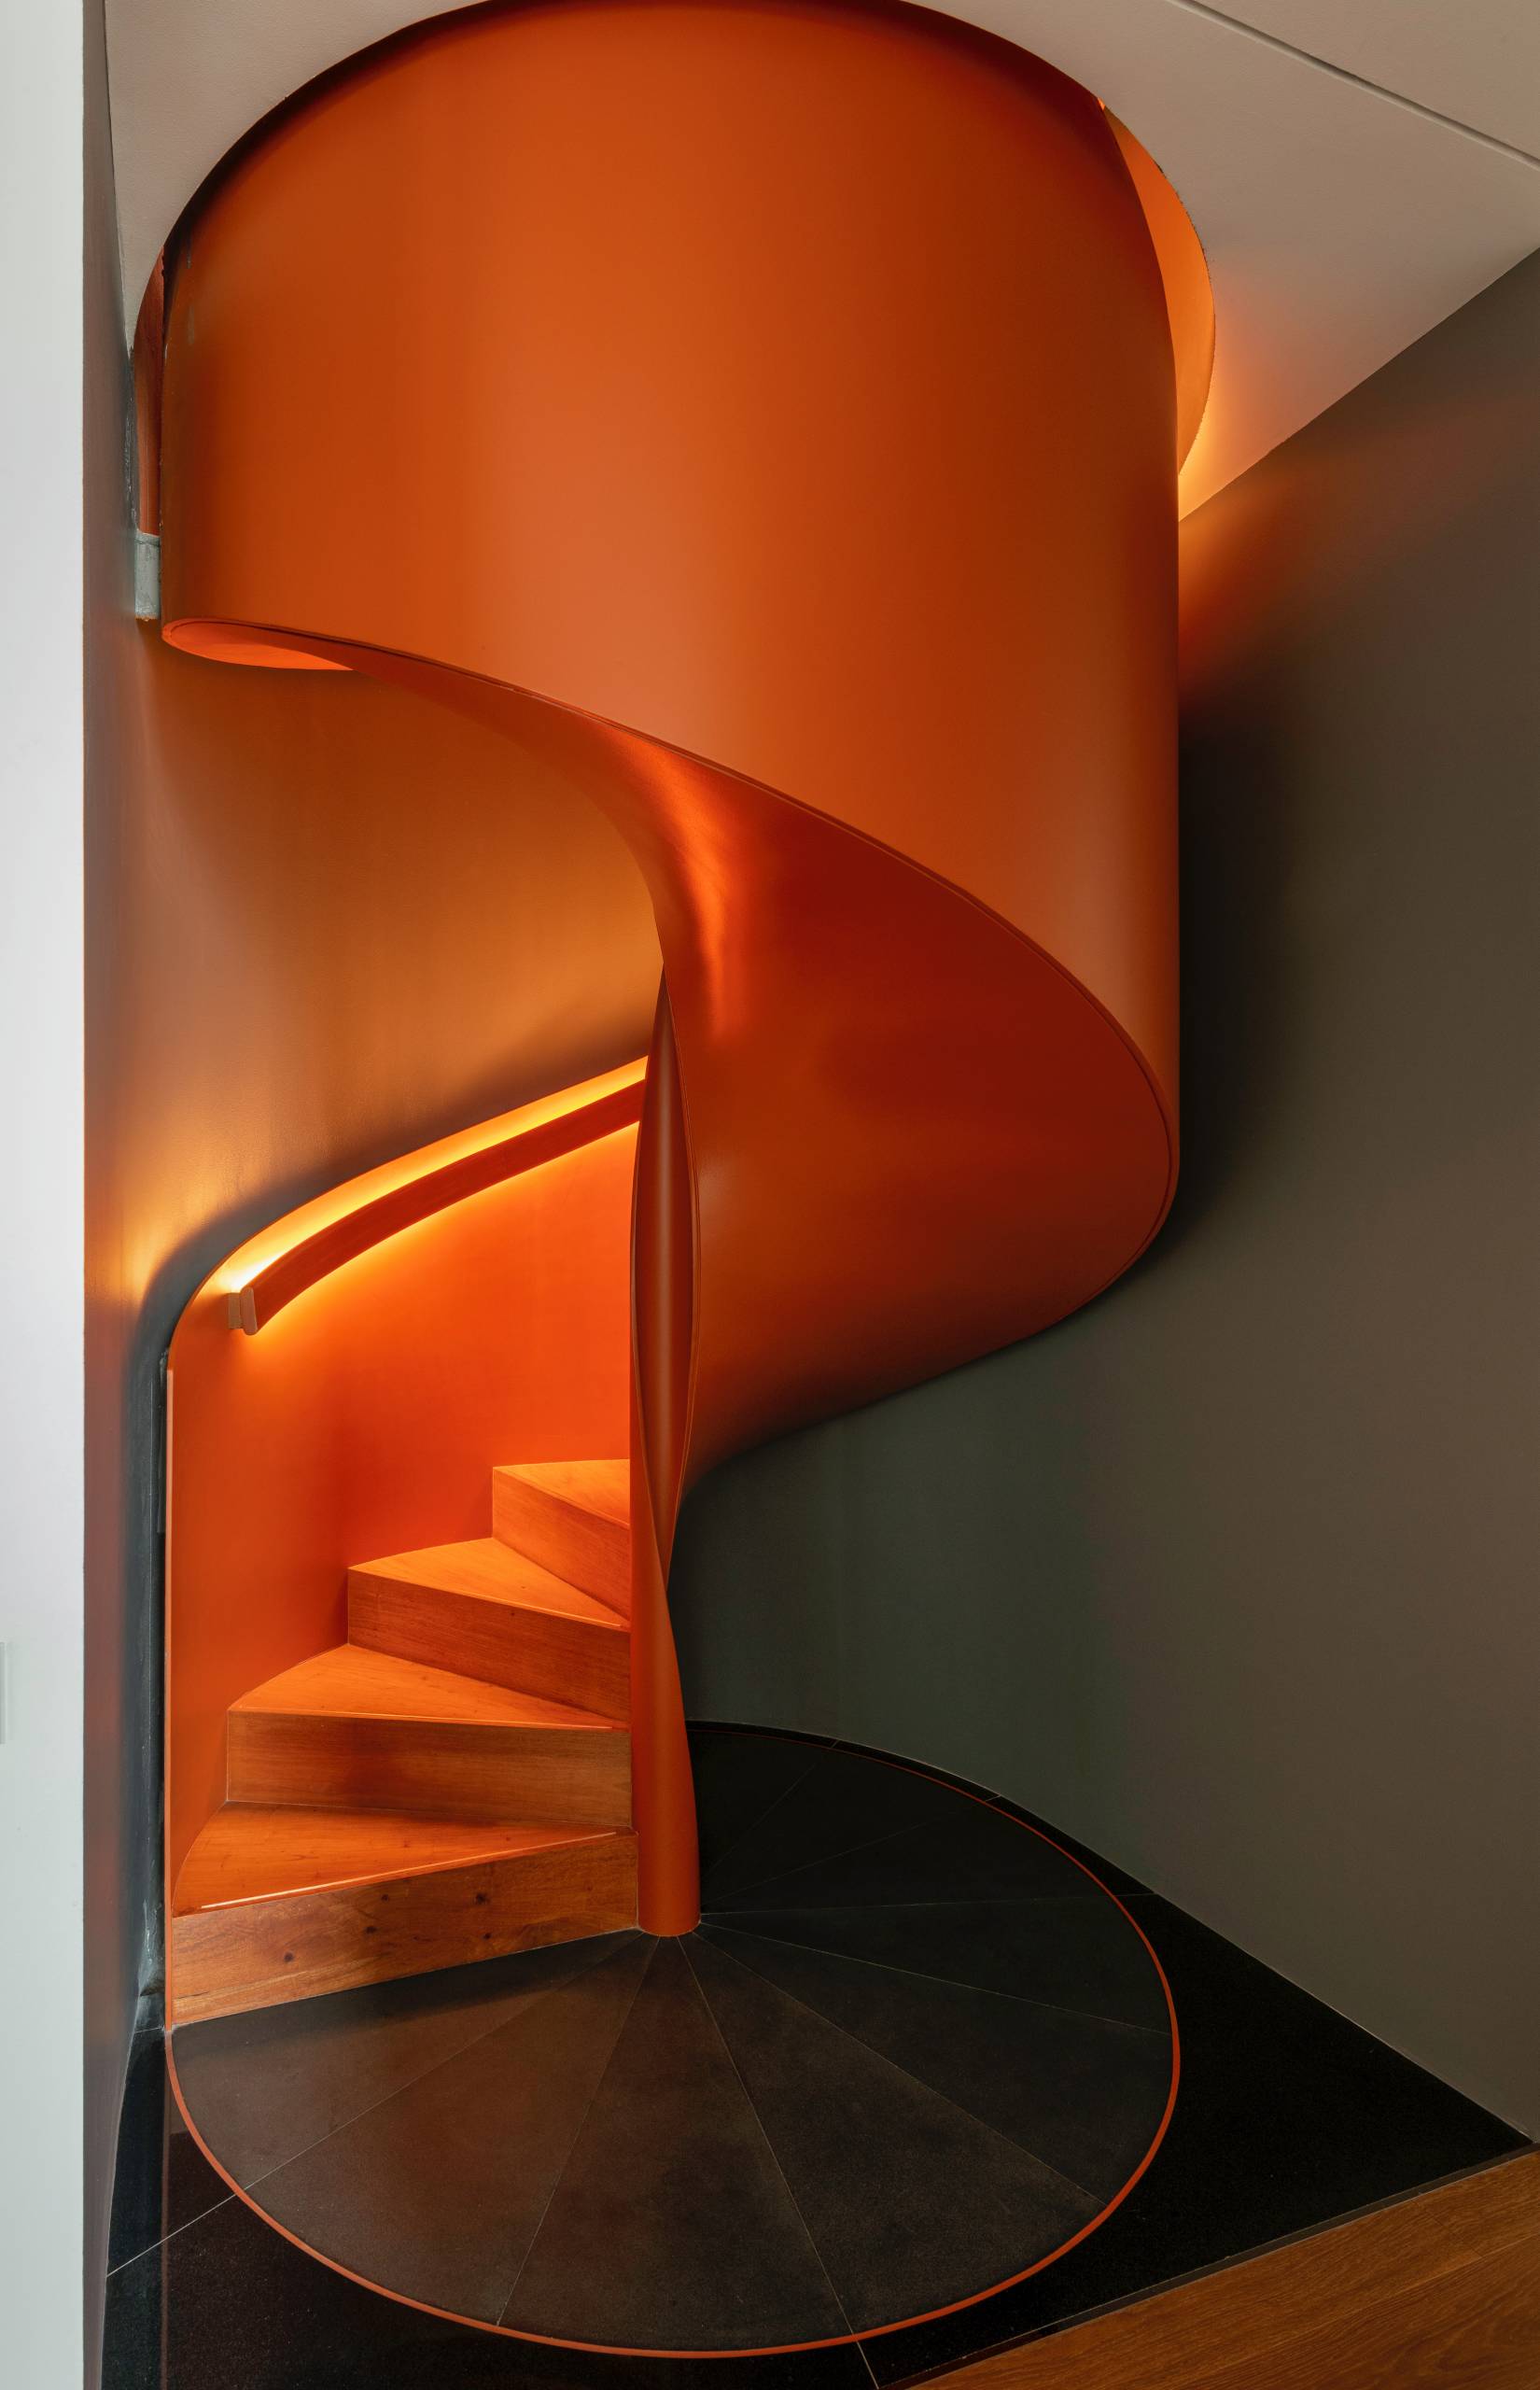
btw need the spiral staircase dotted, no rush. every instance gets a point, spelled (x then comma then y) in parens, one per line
(769, 418)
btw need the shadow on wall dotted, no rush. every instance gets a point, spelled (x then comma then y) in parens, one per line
(1231, 1575)
(893, 1572)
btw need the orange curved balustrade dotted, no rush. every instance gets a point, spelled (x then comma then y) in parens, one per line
(767, 413)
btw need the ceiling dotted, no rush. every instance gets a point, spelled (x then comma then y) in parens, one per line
(1356, 169)
(1474, 61)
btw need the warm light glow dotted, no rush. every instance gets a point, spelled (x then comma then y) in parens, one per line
(239, 643)
(280, 1261)
(1193, 482)
(1184, 276)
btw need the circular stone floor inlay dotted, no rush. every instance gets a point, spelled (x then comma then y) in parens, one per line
(913, 2052)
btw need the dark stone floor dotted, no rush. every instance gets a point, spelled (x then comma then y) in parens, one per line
(891, 2096)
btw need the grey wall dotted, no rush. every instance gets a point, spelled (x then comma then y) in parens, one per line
(1234, 1576)
(325, 922)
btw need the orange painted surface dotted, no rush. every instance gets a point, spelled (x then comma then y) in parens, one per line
(1184, 279)
(366, 1419)
(281, 1262)
(764, 415)
(663, 1298)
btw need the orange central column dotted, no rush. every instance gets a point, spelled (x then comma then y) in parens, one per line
(662, 1322)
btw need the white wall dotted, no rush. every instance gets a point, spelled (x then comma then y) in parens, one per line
(41, 1303)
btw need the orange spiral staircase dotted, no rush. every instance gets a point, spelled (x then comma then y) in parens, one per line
(769, 414)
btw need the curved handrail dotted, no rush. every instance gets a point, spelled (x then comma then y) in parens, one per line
(306, 1245)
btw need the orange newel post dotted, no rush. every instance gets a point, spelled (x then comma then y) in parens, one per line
(663, 1298)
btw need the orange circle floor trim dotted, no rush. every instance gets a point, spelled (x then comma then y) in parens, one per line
(1042, 1921)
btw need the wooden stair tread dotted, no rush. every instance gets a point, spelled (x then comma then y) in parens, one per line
(249, 1851)
(573, 1517)
(487, 1570)
(350, 1681)
(451, 1784)
(602, 1486)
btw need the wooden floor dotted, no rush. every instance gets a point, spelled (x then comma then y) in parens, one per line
(1439, 2292)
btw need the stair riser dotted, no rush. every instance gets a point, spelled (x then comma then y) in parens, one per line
(538, 1775)
(592, 1552)
(562, 1659)
(260, 1952)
